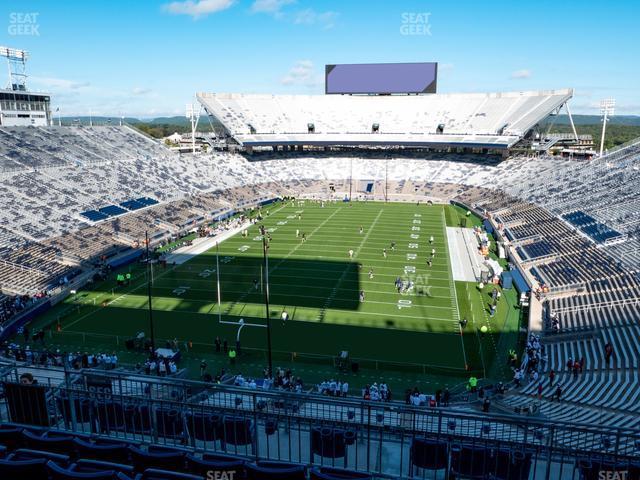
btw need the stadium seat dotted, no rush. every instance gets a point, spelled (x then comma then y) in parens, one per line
(82, 410)
(84, 465)
(110, 416)
(209, 462)
(117, 452)
(328, 442)
(138, 419)
(275, 471)
(270, 426)
(510, 465)
(170, 460)
(169, 423)
(325, 473)
(59, 444)
(203, 427)
(27, 454)
(237, 431)
(469, 461)
(11, 437)
(429, 454)
(157, 474)
(32, 469)
(56, 472)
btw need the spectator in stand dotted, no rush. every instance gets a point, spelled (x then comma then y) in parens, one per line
(558, 393)
(446, 397)
(608, 353)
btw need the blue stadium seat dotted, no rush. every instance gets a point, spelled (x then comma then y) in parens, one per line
(146, 201)
(112, 210)
(27, 454)
(117, 452)
(58, 444)
(328, 442)
(270, 426)
(157, 474)
(11, 436)
(94, 215)
(132, 205)
(32, 469)
(169, 423)
(82, 410)
(510, 465)
(325, 473)
(202, 426)
(275, 471)
(429, 454)
(56, 472)
(469, 461)
(215, 462)
(138, 419)
(237, 430)
(170, 460)
(110, 416)
(84, 465)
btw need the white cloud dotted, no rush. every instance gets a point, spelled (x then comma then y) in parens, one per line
(141, 91)
(58, 84)
(521, 74)
(270, 6)
(197, 8)
(311, 17)
(302, 73)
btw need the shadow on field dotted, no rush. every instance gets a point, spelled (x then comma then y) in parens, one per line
(292, 282)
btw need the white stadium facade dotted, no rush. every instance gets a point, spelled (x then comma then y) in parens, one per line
(482, 121)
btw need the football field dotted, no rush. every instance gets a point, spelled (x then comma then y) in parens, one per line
(333, 268)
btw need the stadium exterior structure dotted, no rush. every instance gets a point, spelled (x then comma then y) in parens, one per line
(490, 121)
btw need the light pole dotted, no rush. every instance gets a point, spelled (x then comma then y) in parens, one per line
(265, 249)
(151, 332)
(606, 108)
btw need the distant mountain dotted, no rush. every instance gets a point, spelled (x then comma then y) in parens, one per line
(629, 120)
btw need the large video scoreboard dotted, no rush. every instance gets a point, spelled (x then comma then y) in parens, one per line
(381, 78)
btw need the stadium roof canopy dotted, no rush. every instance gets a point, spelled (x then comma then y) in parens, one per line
(485, 120)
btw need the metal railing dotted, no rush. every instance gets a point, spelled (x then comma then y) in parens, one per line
(384, 439)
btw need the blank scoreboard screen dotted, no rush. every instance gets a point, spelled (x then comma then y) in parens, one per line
(381, 78)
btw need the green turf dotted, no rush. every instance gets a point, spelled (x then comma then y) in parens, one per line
(318, 285)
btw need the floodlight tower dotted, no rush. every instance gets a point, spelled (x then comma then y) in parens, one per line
(607, 107)
(17, 64)
(194, 117)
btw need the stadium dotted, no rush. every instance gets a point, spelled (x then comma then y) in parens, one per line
(379, 282)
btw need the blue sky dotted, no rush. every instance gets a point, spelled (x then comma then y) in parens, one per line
(147, 58)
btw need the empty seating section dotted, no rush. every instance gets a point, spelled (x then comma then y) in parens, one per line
(597, 231)
(500, 118)
(601, 196)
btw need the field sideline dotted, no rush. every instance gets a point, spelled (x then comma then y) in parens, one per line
(318, 285)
